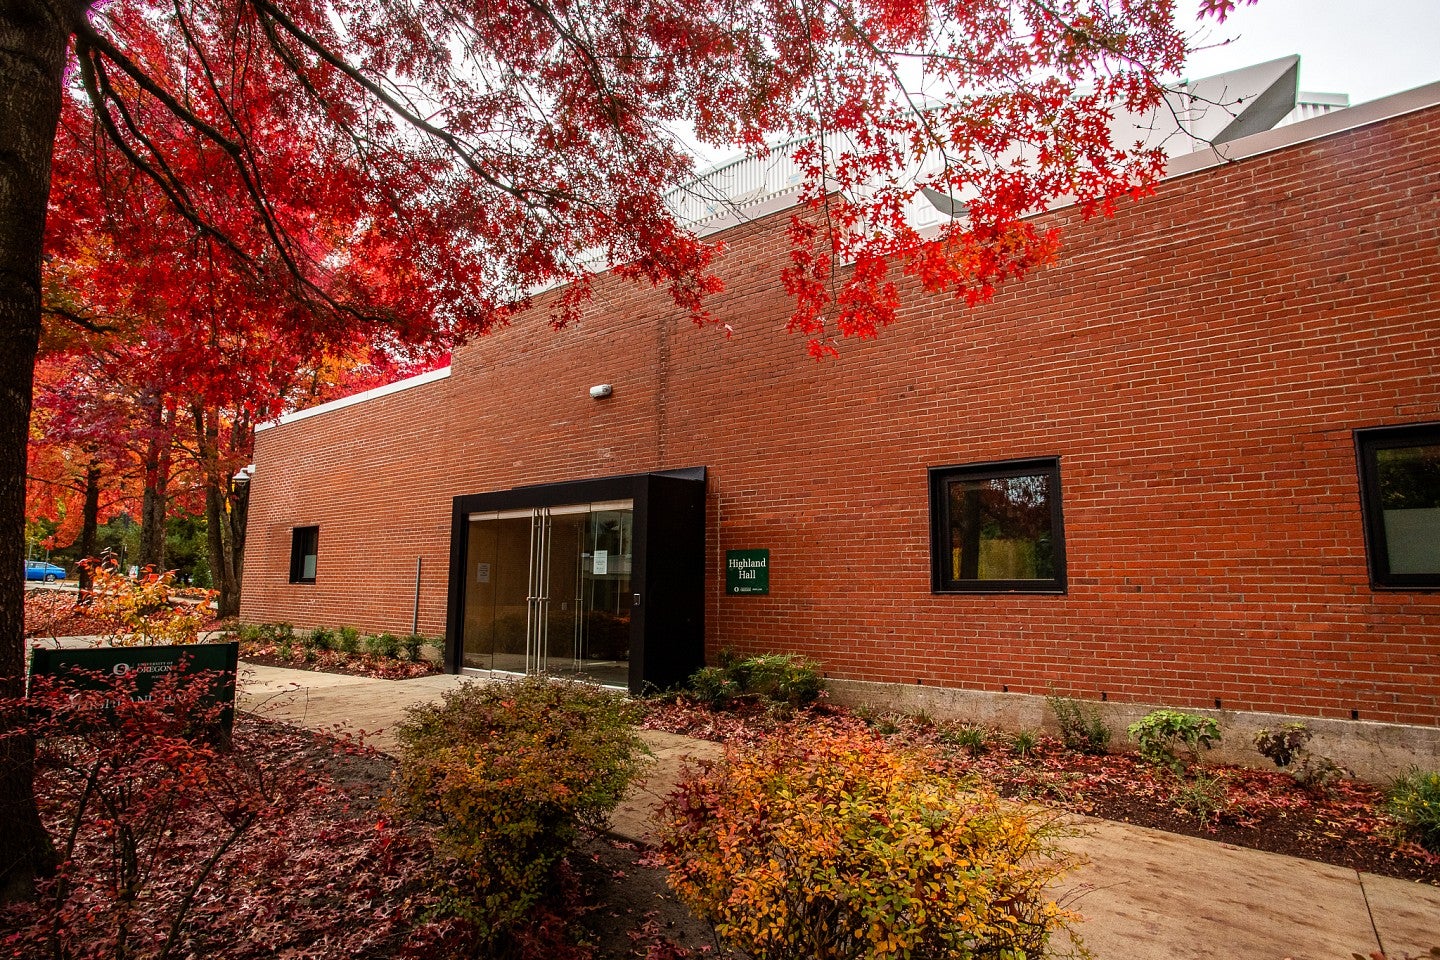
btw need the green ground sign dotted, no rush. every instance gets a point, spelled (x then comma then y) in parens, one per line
(147, 665)
(747, 571)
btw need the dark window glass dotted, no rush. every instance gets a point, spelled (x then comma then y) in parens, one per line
(304, 548)
(1400, 488)
(997, 527)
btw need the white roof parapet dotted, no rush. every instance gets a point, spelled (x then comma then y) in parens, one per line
(1315, 128)
(375, 393)
(1311, 105)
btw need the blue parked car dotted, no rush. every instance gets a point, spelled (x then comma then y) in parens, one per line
(40, 570)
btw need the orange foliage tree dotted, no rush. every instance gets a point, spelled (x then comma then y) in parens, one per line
(419, 168)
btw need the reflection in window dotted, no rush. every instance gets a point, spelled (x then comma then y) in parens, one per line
(304, 547)
(997, 527)
(1400, 471)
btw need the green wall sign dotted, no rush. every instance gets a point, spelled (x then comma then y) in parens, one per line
(747, 571)
(147, 665)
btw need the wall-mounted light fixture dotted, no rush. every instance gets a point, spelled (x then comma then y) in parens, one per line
(600, 391)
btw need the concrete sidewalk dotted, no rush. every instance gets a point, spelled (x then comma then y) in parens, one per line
(1145, 894)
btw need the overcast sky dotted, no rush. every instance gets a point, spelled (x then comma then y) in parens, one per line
(1366, 49)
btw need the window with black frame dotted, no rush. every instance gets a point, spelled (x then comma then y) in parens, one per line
(1400, 494)
(997, 528)
(304, 551)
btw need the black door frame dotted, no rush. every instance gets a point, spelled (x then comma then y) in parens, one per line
(667, 575)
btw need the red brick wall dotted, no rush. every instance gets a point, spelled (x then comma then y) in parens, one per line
(1198, 363)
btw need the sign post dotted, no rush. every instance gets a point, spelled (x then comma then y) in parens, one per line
(147, 665)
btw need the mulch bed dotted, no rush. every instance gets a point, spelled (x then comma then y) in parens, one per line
(1342, 824)
(334, 661)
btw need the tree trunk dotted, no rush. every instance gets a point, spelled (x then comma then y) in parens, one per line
(157, 483)
(224, 576)
(33, 39)
(241, 439)
(89, 530)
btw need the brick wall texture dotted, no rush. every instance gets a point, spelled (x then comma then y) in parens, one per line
(1198, 363)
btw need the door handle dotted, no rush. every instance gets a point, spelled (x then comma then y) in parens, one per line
(635, 601)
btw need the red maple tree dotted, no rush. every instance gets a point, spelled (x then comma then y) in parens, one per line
(419, 168)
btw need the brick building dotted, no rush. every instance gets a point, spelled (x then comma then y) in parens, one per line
(1195, 462)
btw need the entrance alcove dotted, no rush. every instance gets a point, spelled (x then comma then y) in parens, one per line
(600, 580)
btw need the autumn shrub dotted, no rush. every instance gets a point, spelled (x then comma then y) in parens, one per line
(509, 772)
(1414, 801)
(826, 842)
(146, 609)
(1082, 726)
(146, 798)
(1162, 734)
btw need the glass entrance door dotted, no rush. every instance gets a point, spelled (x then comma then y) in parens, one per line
(548, 591)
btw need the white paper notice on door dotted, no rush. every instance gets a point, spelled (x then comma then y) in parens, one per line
(602, 562)
(482, 573)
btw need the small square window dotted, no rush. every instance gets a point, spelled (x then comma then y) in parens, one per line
(996, 528)
(304, 548)
(1400, 496)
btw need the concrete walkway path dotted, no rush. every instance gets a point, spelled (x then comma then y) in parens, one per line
(1145, 894)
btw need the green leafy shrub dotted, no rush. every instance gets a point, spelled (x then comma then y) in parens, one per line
(971, 738)
(1023, 743)
(1414, 801)
(781, 677)
(347, 640)
(385, 645)
(713, 686)
(246, 632)
(1202, 796)
(321, 638)
(1082, 726)
(1288, 748)
(509, 772)
(410, 645)
(885, 724)
(275, 632)
(824, 841)
(1161, 733)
